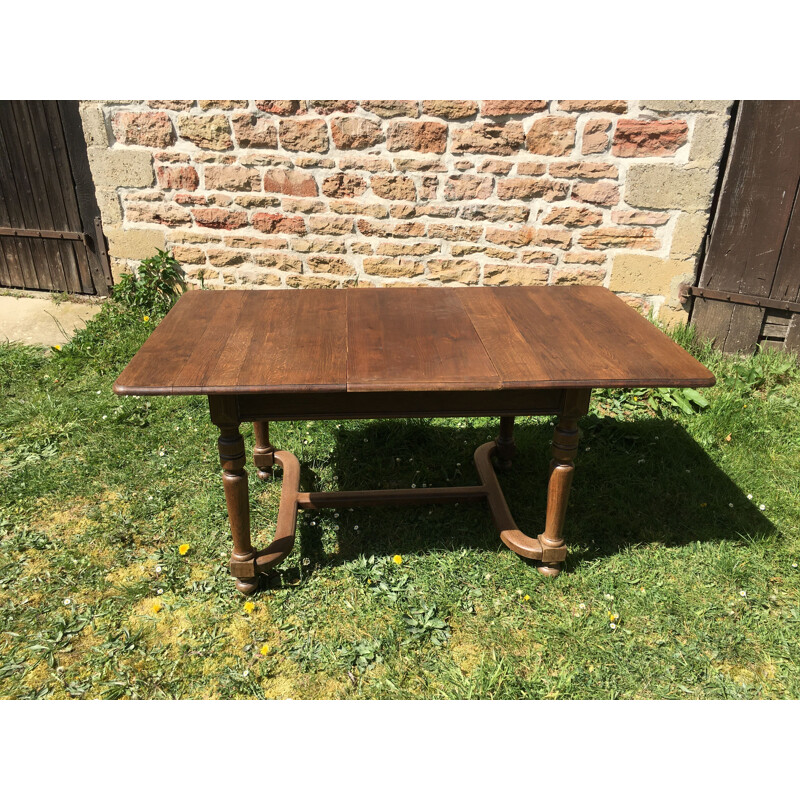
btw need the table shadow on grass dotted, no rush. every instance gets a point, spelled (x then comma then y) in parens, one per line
(636, 483)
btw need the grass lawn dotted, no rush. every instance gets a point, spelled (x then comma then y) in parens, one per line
(678, 584)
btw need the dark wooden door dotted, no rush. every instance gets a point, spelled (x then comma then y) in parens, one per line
(748, 292)
(50, 234)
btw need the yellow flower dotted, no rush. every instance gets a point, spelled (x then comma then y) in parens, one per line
(184, 549)
(613, 617)
(157, 607)
(57, 346)
(248, 607)
(527, 597)
(146, 318)
(398, 559)
(264, 650)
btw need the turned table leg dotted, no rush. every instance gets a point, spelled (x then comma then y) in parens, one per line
(263, 452)
(506, 449)
(234, 479)
(564, 449)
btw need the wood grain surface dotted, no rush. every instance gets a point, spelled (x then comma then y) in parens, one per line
(405, 340)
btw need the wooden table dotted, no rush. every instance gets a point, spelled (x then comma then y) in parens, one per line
(404, 352)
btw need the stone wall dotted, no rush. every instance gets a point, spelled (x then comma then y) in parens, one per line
(276, 193)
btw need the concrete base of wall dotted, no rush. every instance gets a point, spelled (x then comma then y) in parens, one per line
(35, 319)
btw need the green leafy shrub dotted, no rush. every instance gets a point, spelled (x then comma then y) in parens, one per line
(156, 286)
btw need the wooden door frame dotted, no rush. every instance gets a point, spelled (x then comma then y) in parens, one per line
(740, 307)
(51, 212)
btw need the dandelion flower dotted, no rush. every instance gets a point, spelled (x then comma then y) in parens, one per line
(184, 549)
(703, 505)
(157, 607)
(526, 598)
(249, 606)
(57, 347)
(146, 318)
(264, 650)
(613, 617)
(398, 559)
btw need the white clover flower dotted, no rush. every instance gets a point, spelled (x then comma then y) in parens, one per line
(762, 507)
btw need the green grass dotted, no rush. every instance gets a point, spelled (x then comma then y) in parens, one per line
(97, 492)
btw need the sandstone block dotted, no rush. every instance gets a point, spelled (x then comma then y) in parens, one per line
(233, 178)
(645, 274)
(668, 186)
(332, 226)
(708, 139)
(578, 277)
(278, 223)
(636, 217)
(344, 185)
(637, 138)
(632, 238)
(148, 129)
(219, 218)
(450, 109)
(504, 275)
(601, 193)
(304, 134)
(330, 264)
(468, 187)
(688, 235)
(684, 106)
(450, 270)
(551, 136)
(393, 267)
(135, 244)
(482, 137)
(290, 181)
(333, 106)
(281, 107)
(595, 136)
(392, 108)
(528, 188)
(254, 131)
(209, 132)
(394, 187)
(573, 217)
(178, 178)
(94, 125)
(425, 137)
(502, 108)
(355, 133)
(116, 168)
(583, 169)
(607, 106)
(157, 214)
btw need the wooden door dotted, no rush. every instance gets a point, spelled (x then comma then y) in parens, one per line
(50, 234)
(748, 292)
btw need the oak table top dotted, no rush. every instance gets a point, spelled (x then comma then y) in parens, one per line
(405, 340)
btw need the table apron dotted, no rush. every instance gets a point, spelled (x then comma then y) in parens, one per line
(374, 405)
